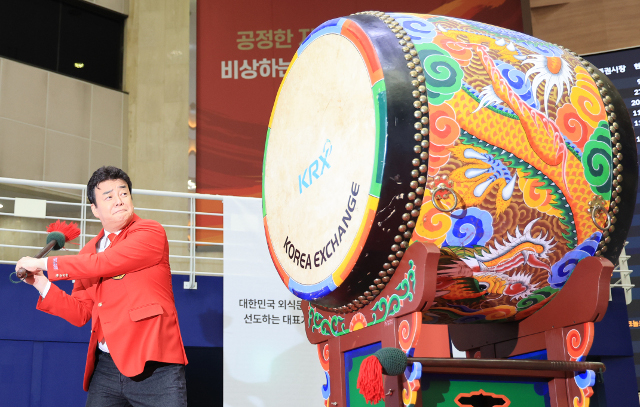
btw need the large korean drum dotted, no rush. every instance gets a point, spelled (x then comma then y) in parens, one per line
(515, 156)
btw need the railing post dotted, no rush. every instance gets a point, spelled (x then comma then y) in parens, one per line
(83, 216)
(192, 284)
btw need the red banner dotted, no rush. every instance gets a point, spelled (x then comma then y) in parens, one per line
(242, 56)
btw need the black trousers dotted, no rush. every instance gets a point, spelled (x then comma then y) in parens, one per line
(160, 385)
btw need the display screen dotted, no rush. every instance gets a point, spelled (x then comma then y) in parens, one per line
(622, 67)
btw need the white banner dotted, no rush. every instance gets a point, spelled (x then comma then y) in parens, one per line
(268, 361)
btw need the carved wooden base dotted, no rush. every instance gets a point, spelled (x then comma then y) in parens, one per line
(564, 328)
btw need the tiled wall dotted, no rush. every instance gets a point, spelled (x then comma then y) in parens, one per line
(121, 6)
(56, 128)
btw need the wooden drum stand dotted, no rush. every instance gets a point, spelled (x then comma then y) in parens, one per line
(523, 363)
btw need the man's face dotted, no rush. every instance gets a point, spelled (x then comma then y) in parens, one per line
(113, 206)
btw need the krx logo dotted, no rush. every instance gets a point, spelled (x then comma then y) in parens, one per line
(312, 171)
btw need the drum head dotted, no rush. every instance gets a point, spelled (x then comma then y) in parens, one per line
(319, 175)
(320, 167)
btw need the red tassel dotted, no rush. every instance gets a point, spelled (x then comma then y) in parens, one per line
(370, 380)
(70, 231)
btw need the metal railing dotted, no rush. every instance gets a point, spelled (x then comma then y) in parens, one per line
(77, 201)
(193, 270)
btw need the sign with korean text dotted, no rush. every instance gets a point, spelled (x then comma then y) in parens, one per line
(622, 67)
(244, 51)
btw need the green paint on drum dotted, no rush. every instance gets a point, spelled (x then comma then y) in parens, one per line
(597, 160)
(264, 164)
(379, 90)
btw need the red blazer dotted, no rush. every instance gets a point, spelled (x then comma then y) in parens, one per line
(127, 290)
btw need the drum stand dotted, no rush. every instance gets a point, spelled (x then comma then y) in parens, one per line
(563, 328)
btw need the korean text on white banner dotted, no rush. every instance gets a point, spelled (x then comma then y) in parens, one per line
(268, 361)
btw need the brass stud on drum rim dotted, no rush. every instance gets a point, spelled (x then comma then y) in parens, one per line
(421, 113)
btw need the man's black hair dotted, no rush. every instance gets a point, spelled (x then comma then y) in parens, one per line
(104, 174)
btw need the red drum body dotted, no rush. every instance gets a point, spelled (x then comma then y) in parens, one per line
(515, 156)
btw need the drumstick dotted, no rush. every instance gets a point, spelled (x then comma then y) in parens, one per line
(59, 234)
(393, 362)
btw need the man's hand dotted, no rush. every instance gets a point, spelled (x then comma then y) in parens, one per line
(31, 264)
(35, 266)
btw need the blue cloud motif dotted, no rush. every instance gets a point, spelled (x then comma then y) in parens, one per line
(326, 388)
(471, 227)
(586, 379)
(421, 31)
(519, 83)
(561, 270)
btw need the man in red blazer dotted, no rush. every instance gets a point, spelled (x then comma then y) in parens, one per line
(123, 284)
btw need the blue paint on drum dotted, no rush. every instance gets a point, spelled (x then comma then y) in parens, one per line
(314, 291)
(330, 27)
